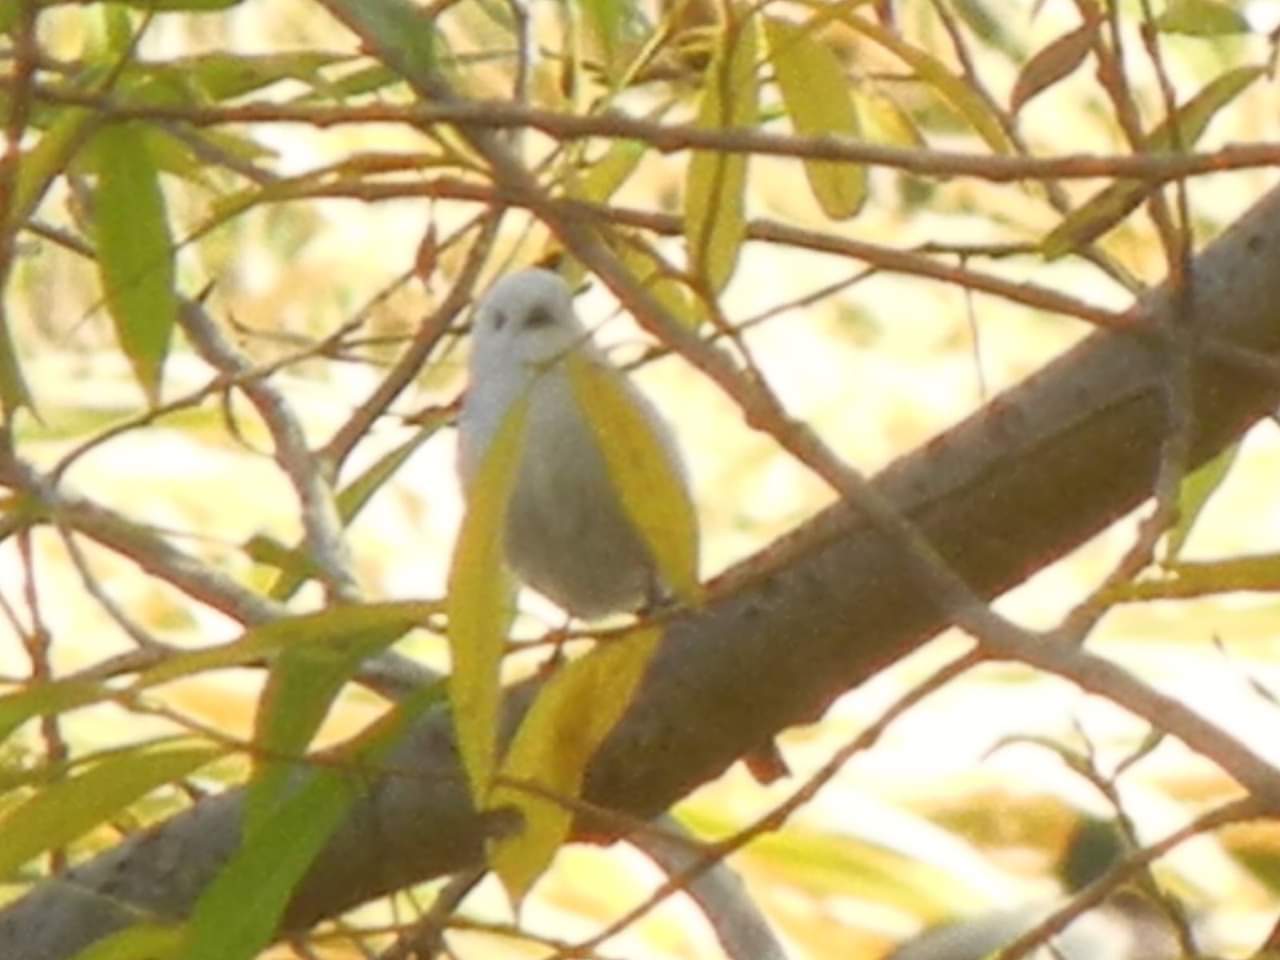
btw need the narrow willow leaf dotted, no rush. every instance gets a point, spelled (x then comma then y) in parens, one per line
(1112, 204)
(398, 33)
(1258, 573)
(1056, 61)
(62, 811)
(46, 699)
(611, 171)
(153, 941)
(135, 251)
(239, 912)
(304, 681)
(883, 121)
(606, 17)
(257, 643)
(955, 90)
(481, 601)
(815, 92)
(1198, 487)
(221, 76)
(1202, 18)
(644, 474)
(715, 187)
(648, 272)
(38, 166)
(559, 735)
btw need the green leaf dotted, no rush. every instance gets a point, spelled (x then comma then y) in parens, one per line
(1111, 205)
(715, 186)
(1193, 496)
(399, 34)
(323, 627)
(606, 17)
(304, 681)
(815, 92)
(48, 159)
(240, 911)
(1202, 18)
(955, 90)
(63, 810)
(135, 251)
(1056, 61)
(221, 76)
(647, 479)
(46, 699)
(481, 601)
(572, 715)
(154, 941)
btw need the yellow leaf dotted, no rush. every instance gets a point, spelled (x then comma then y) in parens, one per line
(643, 264)
(714, 221)
(646, 478)
(955, 90)
(560, 734)
(481, 601)
(815, 92)
(603, 178)
(883, 121)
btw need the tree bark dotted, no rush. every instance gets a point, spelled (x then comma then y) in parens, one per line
(1038, 470)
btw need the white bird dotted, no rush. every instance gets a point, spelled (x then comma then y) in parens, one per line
(568, 534)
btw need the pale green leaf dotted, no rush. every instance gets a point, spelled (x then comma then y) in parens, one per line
(1202, 18)
(647, 480)
(304, 681)
(1112, 204)
(50, 156)
(955, 90)
(1193, 496)
(647, 270)
(603, 178)
(257, 643)
(63, 810)
(562, 731)
(715, 186)
(221, 76)
(481, 601)
(135, 251)
(883, 121)
(816, 94)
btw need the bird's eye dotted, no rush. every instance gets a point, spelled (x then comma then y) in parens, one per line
(499, 320)
(538, 317)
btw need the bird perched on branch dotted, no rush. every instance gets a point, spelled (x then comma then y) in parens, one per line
(570, 534)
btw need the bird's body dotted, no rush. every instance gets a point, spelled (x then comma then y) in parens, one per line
(568, 534)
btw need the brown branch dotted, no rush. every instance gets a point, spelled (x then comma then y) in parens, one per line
(671, 138)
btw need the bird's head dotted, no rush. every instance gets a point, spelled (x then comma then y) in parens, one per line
(526, 319)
